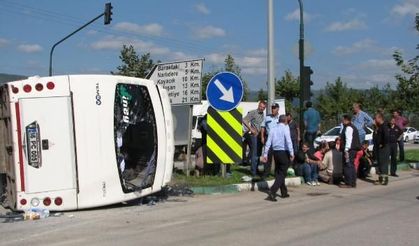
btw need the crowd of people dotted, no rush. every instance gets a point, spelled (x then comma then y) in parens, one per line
(277, 139)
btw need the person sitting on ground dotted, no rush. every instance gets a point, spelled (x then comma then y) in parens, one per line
(331, 167)
(365, 161)
(307, 165)
(321, 150)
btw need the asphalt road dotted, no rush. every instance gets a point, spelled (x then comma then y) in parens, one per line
(325, 215)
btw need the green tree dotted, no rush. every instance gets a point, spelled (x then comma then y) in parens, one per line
(229, 66)
(407, 96)
(205, 79)
(262, 95)
(132, 64)
(375, 98)
(288, 87)
(335, 100)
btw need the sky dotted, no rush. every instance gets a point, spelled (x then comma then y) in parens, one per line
(352, 39)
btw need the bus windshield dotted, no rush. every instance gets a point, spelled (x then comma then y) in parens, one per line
(135, 135)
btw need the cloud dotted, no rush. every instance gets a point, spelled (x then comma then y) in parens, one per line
(252, 62)
(295, 16)
(406, 7)
(202, 8)
(209, 32)
(116, 43)
(3, 42)
(372, 72)
(362, 45)
(215, 58)
(149, 29)
(92, 32)
(29, 48)
(379, 64)
(158, 52)
(355, 24)
(253, 65)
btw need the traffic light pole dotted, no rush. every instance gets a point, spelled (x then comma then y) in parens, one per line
(271, 58)
(108, 8)
(301, 56)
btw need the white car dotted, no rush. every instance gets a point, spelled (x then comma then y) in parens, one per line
(416, 140)
(409, 134)
(335, 132)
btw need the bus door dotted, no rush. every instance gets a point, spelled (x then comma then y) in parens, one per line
(48, 145)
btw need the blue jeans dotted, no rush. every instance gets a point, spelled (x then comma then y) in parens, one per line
(310, 172)
(309, 137)
(253, 154)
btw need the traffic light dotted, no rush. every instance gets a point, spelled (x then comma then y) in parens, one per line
(108, 13)
(307, 83)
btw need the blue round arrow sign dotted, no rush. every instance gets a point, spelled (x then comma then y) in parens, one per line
(225, 91)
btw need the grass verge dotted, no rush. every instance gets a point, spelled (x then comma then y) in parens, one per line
(412, 155)
(237, 173)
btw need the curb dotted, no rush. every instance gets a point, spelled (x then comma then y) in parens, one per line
(262, 185)
(235, 188)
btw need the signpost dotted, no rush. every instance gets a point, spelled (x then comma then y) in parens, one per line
(182, 80)
(225, 91)
(224, 139)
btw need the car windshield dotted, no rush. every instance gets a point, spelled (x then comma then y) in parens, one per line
(333, 132)
(135, 134)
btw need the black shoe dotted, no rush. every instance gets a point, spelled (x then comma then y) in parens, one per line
(394, 175)
(379, 181)
(271, 197)
(385, 181)
(285, 196)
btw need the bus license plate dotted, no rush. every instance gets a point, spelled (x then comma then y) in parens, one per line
(33, 145)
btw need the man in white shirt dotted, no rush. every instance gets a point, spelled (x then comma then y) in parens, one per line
(350, 145)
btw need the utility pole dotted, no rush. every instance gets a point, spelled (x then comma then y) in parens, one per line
(271, 59)
(301, 56)
(107, 13)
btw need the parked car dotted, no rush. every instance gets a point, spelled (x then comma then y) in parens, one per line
(416, 140)
(335, 132)
(409, 133)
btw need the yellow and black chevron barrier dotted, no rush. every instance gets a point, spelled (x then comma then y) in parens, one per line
(224, 138)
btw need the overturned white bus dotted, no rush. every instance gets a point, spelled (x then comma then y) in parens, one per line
(82, 141)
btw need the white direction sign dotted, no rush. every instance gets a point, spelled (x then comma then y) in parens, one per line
(182, 80)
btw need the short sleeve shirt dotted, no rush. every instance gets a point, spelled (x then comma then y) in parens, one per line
(269, 122)
(312, 117)
(255, 118)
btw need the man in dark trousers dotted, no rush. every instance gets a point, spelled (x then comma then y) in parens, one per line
(381, 141)
(280, 140)
(350, 145)
(395, 133)
(401, 122)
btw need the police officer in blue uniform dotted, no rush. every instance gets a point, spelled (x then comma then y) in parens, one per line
(268, 123)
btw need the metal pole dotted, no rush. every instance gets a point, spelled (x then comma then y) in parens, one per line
(271, 60)
(66, 37)
(189, 146)
(301, 56)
